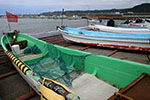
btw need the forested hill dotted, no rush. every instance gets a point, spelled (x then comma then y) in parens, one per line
(142, 8)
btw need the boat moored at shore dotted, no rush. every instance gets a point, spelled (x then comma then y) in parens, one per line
(136, 41)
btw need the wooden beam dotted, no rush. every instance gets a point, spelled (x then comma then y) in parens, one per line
(4, 61)
(8, 74)
(59, 42)
(82, 49)
(55, 39)
(26, 96)
(111, 53)
(67, 45)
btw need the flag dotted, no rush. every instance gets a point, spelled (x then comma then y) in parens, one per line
(11, 17)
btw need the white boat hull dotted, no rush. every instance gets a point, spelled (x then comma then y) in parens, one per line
(107, 43)
(28, 78)
(119, 29)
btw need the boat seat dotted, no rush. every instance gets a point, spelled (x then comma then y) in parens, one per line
(30, 56)
(89, 87)
(22, 44)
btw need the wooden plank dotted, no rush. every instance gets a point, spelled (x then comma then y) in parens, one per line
(52, 37)
(8, 74)
(55, 39)
(82, 49)
(132, 83)
(67, 45)
(2, 55)
(30, 56)
(26, 96)
(4, 61)
(1, 50)
(59, 42)
(137, 89)
(111, 53)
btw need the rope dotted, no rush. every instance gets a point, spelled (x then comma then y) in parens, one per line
(43, 84)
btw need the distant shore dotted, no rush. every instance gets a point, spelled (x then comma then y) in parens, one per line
(86, 16)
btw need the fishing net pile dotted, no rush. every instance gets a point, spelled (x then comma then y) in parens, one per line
(58, 65)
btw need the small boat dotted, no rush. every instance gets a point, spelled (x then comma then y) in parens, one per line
(133, 25)
(129, 41)
(95, 21)
(54, 71)
(104, 28)
(138, 23)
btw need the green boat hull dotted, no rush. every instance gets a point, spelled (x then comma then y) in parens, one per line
(116, 71)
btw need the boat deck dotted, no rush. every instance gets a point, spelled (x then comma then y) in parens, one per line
(13, 86)
(88, 87)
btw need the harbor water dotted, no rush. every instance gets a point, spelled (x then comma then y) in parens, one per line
(38, 26)
(33, 26)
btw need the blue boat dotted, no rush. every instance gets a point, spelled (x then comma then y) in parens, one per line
(130, 41)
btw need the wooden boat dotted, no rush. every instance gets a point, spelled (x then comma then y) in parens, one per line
(38, 66)
(113, 40)
(140, 85)
(104, 28)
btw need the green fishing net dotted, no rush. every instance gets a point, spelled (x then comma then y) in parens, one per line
(33, 49)
(58, 65)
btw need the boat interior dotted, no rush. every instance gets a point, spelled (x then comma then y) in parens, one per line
(89, 87)
(72, 67)
(83, 84)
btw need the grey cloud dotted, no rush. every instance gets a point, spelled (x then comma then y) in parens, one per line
(55, 5)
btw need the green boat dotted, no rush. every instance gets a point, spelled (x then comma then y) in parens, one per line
(54, 72)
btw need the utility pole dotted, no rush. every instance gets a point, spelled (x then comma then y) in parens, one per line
(88, 15)
(62, 14)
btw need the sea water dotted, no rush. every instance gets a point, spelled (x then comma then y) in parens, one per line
(33, 26)
(36, 26)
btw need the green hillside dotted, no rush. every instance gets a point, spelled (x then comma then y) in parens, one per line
(142, 8)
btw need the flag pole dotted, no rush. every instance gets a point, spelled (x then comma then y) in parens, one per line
(10, 18)
(8, 42)
(9, 27)
(8, 22)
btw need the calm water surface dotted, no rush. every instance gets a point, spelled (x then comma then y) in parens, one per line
(28, 25)
(36, 26)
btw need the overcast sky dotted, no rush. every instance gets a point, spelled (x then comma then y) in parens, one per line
(38, 6)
